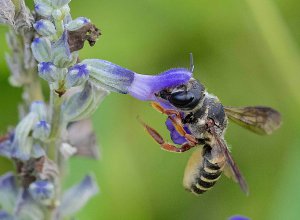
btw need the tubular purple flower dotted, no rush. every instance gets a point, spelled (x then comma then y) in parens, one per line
(44, 27)
(41, 49)
(77, 75)
(118, 79)
(77, 23)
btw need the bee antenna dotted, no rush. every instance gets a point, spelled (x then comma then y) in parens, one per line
(191, 63)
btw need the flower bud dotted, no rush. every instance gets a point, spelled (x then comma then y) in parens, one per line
(62, 57)
(44, 27)
(48, 71)
(59, 3)
(8, 191)
(41, 130)
(43, 9)
(82, 104)
(42, 191)
(77, 23)
(77, 75)
(41, 49)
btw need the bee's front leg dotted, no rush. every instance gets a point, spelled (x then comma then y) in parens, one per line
(167, 146)
(176, 119)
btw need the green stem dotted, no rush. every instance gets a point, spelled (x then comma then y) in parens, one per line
(56, 128)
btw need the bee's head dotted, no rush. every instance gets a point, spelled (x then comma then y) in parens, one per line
(184, 97)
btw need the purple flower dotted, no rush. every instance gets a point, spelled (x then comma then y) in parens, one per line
(238, 217)
(175, 136)
(118, 79)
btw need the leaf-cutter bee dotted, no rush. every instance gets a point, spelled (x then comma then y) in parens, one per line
(197, 118)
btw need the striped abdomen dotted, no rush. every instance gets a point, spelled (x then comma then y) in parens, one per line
(202, 171)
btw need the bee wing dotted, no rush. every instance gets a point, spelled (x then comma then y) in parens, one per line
(259, 119)
(236, 174)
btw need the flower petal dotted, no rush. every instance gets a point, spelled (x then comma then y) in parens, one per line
(144, 87)
(76, 197)
(22, 143)
(175, 136)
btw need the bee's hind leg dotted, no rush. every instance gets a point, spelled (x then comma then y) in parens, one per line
(164, 145)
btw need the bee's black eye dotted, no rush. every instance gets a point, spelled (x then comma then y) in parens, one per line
(181, 99)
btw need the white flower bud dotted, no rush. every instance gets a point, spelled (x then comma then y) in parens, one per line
(41, 49)
(44, 27)
(77, 23)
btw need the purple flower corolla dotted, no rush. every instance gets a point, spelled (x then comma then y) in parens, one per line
(77, 75)
(44, 27)
(77, 196)
(77, 23)
(42, 191)
(238, 217)
(118, 79)
(175, 136)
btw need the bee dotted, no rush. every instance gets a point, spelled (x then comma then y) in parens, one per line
(197, 118)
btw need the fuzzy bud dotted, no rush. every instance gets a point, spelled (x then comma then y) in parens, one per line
(48, 71)
(41, 49)
(77, 75)
(44, 27)
(42, 191)
(41, 130)
(43, 9)
(77, 23)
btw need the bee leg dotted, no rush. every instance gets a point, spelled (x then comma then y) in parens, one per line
(177, 123)
(164, 145)
(162, 110)
(176, 119)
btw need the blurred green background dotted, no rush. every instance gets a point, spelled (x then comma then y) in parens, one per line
(245, 52)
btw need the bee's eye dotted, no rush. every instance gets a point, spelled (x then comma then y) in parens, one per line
(181, 98)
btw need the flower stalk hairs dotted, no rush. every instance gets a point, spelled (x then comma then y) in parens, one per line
(44, 45)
